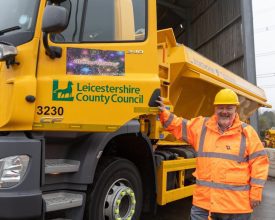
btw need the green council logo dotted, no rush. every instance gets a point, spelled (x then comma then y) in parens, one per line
(89, 92)
(62, 94)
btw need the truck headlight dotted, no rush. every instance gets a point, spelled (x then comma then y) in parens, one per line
(7, 52)
(12, 170)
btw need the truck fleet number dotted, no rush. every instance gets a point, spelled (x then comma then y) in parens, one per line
(49, 110)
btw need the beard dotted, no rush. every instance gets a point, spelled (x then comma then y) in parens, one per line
(225, 120)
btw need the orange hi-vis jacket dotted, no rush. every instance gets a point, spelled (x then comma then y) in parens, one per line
(231, 168)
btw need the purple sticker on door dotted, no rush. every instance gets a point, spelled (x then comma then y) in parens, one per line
(95, 62)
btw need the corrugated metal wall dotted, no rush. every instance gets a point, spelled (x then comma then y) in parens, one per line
(215, 29)
(217, 33)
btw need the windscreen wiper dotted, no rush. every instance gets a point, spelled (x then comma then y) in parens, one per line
(2, 32)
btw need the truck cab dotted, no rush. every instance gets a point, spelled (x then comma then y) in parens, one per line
(93, 62)
(75, 78)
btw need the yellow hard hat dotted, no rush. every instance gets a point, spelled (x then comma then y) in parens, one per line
(226, 97)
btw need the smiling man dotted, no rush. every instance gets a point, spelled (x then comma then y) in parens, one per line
(231, 166)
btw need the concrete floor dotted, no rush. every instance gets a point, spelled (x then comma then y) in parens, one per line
(266, 211)
(180, 210)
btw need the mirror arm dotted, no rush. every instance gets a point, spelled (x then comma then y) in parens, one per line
(11, 61)
(52, 52)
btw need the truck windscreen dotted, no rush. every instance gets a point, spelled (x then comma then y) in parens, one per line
(20, 14)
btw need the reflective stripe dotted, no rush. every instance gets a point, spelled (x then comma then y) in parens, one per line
(184, 130)
(239, 158)
(203, 133)
(244, 125)
(257, 181)
(222, 155)
(223, 186)
(257, 154)
(168, 122)
(242, 148)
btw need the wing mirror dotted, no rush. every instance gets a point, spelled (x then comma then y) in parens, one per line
(55, 20)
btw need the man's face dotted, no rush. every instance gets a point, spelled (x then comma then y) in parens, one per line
(225, 114)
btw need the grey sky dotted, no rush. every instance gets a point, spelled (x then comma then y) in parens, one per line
(264, 37)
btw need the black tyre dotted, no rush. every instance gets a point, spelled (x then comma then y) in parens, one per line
(117, 193)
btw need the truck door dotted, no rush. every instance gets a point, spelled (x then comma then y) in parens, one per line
(107, 71)
(18, 79)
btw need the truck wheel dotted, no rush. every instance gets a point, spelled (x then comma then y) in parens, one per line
(117, 193)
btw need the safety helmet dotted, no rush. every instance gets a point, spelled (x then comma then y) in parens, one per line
(226, 97)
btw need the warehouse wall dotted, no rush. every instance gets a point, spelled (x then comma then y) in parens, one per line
(219, 29)
(216, 31)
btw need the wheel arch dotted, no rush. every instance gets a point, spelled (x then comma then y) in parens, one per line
(126, 143)
(137, 148)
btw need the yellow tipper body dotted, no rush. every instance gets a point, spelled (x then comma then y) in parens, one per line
(191, 81)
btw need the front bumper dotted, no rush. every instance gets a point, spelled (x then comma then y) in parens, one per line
(20, 206)
(23, 201)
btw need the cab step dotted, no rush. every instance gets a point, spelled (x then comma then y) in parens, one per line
(62, 200)
(55, 166)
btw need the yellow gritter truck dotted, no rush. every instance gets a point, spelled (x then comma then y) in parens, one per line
(80, 134)
(269, 139)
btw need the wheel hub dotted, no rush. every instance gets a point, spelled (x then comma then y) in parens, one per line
(120, 202)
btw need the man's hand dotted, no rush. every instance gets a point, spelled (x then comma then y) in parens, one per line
(254, 203)
(160, 103)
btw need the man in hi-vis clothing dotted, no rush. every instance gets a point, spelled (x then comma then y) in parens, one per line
(231, 164)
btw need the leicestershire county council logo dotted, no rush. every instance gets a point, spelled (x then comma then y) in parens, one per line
(62, 94)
